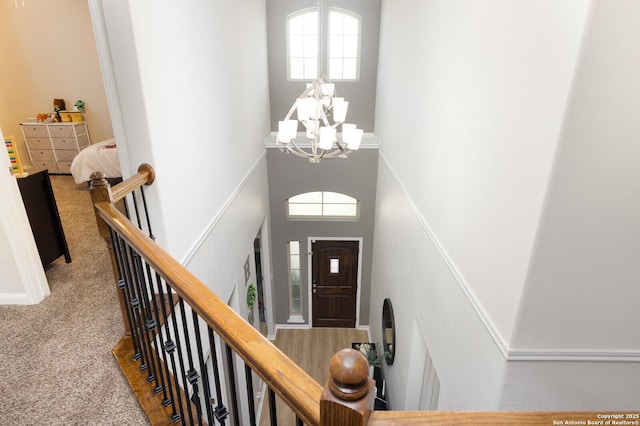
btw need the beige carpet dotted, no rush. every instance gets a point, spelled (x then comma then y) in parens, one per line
(56, 366)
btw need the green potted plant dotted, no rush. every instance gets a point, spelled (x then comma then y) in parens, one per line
(251, 300)
(372, 353)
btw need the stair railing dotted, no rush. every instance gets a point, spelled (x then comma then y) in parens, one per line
(176, 329)
(173, 320)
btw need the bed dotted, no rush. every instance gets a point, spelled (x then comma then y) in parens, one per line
(101, 156)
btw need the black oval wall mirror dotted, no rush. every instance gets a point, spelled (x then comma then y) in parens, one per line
(388, 331)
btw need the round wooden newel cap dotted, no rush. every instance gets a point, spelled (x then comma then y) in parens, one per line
(98, 179)
(348, 375)
(97, 176)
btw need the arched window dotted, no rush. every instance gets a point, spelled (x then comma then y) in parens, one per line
(341, 40)
(323, 205)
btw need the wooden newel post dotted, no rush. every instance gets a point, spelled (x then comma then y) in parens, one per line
(101, 192)
(348, 398)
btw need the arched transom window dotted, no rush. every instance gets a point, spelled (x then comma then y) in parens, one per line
(323, 205)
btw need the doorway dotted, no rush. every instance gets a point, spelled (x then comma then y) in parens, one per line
(334, 283)
(257, 249)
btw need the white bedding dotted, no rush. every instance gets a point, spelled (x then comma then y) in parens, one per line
(101, 156)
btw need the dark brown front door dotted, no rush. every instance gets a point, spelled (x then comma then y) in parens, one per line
(334, 283)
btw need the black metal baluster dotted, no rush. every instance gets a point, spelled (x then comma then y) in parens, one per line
(134, 302)
(206, 387)
(122, 285)
(135, 209)
(149, 322)
(143, 315)
(178, 346)
(221, 412)
(169, 347)
(298, 421)
(252, 406)
(146, 213)
(126, 208)
(125, 286)
(156, 324)
(273, 416)
(192, 375)
(232, 383)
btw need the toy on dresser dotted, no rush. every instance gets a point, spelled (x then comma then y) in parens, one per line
(53, 116)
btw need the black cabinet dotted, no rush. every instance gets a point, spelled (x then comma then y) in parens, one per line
(381, 397)
(44, 219)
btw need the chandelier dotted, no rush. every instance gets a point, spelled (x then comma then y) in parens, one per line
(320, 112)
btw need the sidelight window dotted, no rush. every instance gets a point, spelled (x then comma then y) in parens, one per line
(295, 299)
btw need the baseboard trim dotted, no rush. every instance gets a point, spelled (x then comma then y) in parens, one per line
(291, 326)
(14, 299)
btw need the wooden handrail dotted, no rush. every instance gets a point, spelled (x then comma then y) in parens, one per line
(472, 418)
(145, 176)
(292, 384)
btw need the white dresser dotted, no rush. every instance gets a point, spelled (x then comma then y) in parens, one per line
(53, 146)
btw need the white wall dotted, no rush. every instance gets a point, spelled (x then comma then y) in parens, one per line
(475, 92)
(581, 296)
(586, 254)
(191, 98)
(22, 278)
(192, 86)
(511, 129)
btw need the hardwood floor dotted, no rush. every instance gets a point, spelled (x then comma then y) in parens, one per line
(311, 349)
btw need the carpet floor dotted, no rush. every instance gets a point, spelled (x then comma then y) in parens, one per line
(56, 366)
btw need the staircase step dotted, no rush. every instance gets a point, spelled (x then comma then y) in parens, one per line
(150, 402)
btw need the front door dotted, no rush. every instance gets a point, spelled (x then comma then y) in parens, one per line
(334, 279)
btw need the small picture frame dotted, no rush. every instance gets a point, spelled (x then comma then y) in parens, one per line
(247, 271)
